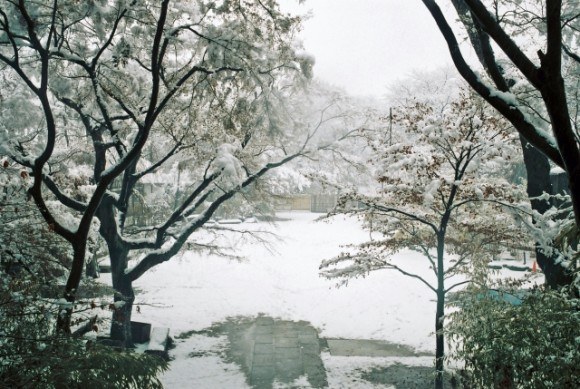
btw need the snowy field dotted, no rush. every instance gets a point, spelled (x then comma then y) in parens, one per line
(193, 291)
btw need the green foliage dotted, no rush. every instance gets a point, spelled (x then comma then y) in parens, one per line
(65, 362)
(532, 343)
(33, 354)
(101, 367)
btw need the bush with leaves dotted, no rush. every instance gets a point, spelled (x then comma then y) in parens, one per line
(52, 361)
(33, 354)
(507, 338)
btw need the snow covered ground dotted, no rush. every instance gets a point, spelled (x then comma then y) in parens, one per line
(193, 291)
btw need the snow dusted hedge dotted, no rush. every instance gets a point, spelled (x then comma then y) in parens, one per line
(34, 355)
(532, 345)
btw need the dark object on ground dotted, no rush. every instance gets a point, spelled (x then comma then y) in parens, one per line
(141, 332)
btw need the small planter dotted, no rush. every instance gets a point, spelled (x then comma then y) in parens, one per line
(140, 332)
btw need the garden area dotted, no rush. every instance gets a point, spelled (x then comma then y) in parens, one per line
(307, 194)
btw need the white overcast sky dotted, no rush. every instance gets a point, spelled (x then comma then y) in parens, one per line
(364, 45)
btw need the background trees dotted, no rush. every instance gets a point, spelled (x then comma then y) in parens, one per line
(440, 186)
(121, 92)
(532, 82)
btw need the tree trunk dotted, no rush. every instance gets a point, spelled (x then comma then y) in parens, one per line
(121, 320)
(439, 339)
(439, 335)
(63, 320)
(123, 286)
(124, 294)
(553, 92)
(538, 172)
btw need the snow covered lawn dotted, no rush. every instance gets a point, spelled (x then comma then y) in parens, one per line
(193, 291)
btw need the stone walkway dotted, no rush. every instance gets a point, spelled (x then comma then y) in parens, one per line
(270, 350)
(279, 350)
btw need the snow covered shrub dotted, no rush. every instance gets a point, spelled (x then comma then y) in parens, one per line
(510, 339)
(33, 354)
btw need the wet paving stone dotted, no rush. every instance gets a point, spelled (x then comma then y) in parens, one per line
(276, 351)
(270, 350)
(264, 348)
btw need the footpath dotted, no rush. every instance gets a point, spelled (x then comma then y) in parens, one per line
(275, 350)
(270, 351)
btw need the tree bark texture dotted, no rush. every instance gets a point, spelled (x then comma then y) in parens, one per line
(121, 318)
(439, 340)
(63, 321)
(440, 312)
(122, 285)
